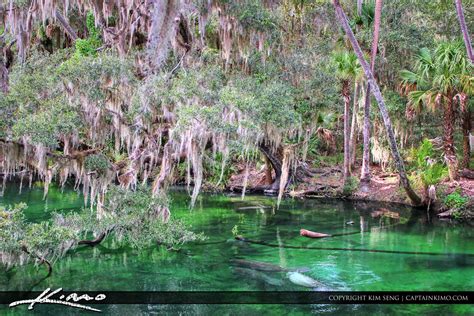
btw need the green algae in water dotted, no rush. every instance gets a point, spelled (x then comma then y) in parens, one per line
(208, 266)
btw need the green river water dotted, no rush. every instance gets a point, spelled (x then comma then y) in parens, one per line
(208, 266)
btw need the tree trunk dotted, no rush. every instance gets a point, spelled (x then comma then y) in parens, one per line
(359, 7)
(365, 171)
(3, 77)
(3, 67)
(268, 171)
(466, 129)
(449, 151)
(275, 160)
(354, 129)
(465, 33)
(347, 157)
(341, 17)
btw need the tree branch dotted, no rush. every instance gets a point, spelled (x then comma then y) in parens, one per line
(67, 28)
(41, 260)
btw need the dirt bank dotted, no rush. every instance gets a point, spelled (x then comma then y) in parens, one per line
(328, 182)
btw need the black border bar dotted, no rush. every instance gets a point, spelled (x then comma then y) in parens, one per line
(253, 297)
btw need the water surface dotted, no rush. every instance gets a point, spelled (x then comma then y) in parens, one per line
(416, 255)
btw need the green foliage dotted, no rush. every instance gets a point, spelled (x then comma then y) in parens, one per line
(139, 219)
(455, 200)
(270, 102)
(35, 82)
(46, 126)
(47, 239)
(252, 15)
(12, 223)
(36, 107)
(366, 18)
(426, 170)
(351, 186)
(445, 70)
(95, 77)
(347, 65)
(132, 218)
(97, 162)
(88, 46)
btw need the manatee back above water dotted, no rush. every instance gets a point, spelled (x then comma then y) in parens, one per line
(303, 280)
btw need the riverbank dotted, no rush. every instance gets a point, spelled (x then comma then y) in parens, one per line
(327, 182)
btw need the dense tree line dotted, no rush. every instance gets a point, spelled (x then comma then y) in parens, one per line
(129, 92)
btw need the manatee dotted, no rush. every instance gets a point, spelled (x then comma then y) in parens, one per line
(258, 276)
(303, 280)
(263, 266)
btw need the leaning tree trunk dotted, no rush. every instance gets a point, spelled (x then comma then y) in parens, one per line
(466, 128)
(347, 101)
(365, 171)
(465, 33)
(67, 28)
(448, 125)
(341, 17)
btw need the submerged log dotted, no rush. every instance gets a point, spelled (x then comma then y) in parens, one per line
(384, 212)
(255, 265)
(308, 233)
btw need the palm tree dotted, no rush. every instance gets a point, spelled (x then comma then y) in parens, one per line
(436, 80)
(342, 19)
(348, 69)
(466, 128)
(354, 129)
(465, 33)
(365, 170)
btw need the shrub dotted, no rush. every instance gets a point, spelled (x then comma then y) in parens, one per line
(455, 200)
(425, 165)
(351, 186)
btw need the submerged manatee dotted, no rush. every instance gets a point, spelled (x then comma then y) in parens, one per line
(258, 276)
(303, 280)
(263, 266)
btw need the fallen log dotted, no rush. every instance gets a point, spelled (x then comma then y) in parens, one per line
(308, 233)
(466, 173)
(446, 214)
